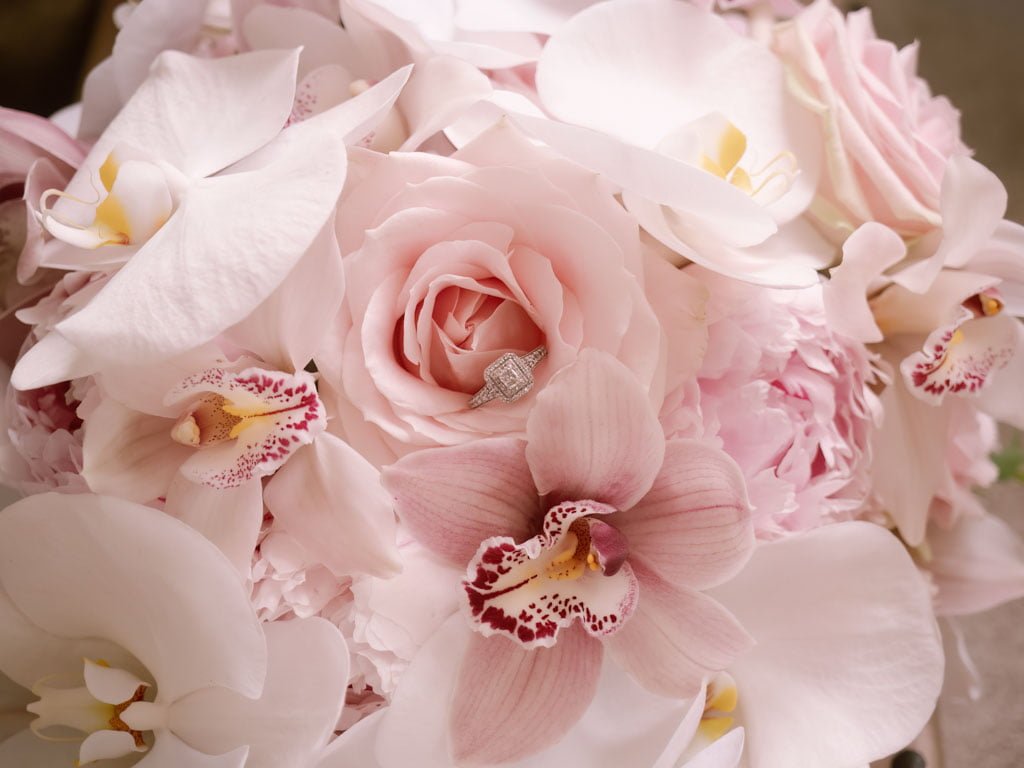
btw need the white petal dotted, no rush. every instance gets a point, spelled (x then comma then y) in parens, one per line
(232, 241)
(307, 672)
(171, 752)
(88, 566)
(331, 500)
(110, 684)
(229, 517)
(848, 661)
(130, 454)
(106, 745)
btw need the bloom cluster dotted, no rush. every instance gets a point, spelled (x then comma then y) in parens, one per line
(462, 383)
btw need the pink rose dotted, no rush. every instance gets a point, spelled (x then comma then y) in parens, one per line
(452, 262)
(888, 139)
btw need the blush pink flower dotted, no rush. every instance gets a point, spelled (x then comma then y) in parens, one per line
(452, 262)
(788, 399)
(888, 138)
(593, 518)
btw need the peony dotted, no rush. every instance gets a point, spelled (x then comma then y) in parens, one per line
(786, 397)
(888, 139)
(452, 262)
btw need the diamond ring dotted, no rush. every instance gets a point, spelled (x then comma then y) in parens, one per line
(509, 377)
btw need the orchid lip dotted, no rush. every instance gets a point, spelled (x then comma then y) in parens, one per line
(575, 569)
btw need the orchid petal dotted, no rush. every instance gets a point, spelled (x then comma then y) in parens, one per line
(307, 671)
(823, 686)
(160, 26)
(106, 745)
(130, 454)
(27, 749)
(330, 499)
(592, 434)
(573, 570)
(867, 253)
(101, 100)
(231, 242)
(229, 517)
(89, 566)
(453, 498)
(288, 327)
(245, 425)
(724, 753)
(693, 528)
(909, 458)
(724, 210)
(171, 752)
(961, 358)
(439, 91)
(510, 702)
(29, 654)
(976, 565)
(110, 684)
(1001, 399)
(199, 115)
(973, 202)
(676, 638)
(51, 360)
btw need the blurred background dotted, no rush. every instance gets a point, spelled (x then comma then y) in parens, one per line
(971, 51)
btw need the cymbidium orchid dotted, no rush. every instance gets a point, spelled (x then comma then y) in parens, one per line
(950, 342)
(201, 243)
(654, 95)
(591, 535)
(129, 661)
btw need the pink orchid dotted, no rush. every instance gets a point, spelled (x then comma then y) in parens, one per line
(626, 530)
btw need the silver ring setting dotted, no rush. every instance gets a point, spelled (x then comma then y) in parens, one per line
(509, 377)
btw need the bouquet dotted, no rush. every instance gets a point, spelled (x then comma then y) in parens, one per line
(534, 383)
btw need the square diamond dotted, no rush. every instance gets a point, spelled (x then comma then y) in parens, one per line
(509, 375)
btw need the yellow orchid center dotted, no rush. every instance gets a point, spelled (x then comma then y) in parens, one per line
(721, 701)
(723, 149)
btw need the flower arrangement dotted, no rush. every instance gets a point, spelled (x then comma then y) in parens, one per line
(469, 383)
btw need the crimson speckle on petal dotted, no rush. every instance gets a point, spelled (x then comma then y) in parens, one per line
(575, 569)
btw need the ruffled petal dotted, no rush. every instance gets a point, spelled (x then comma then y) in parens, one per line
(307, 671)
(453, 498)
(575, 569)
(676, 638)
(245, 425)
(592, 434)
(89, 566)
(330, 499)
(960, 359)
(510, 702)
(823, 685)
(693, 528)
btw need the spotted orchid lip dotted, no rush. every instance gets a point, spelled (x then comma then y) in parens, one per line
(575, 569)
(246, 424)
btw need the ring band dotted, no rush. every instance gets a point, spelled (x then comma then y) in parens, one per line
(509, 377)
